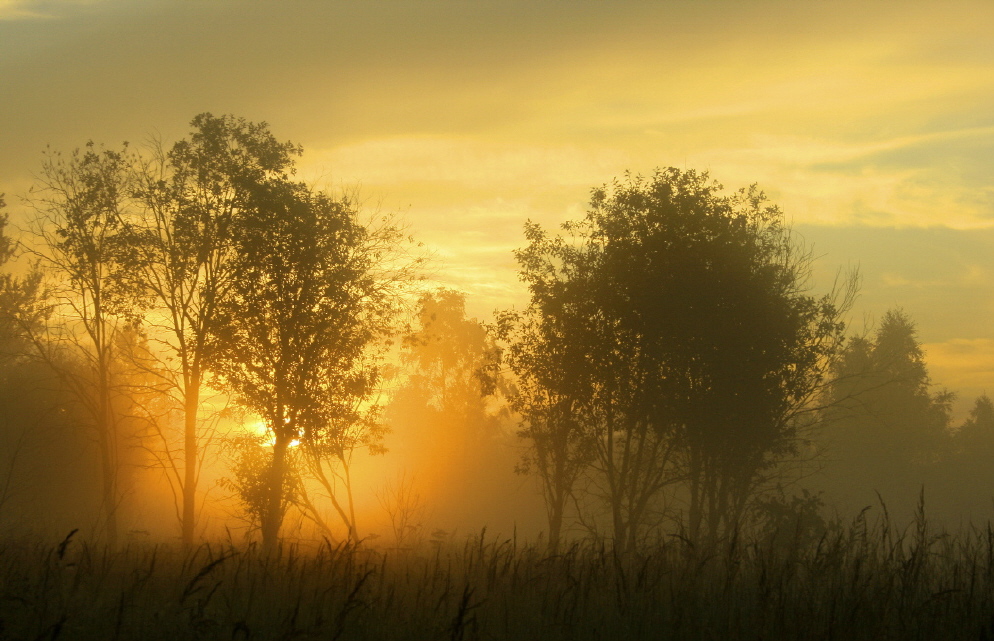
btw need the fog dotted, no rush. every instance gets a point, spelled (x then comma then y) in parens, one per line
(496, 320)
(660, 382)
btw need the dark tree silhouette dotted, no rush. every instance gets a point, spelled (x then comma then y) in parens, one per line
(307, 302)
(18, 306)
(546, 350)
(183, 258)
(977, 431)
(694, 345)
(79, 200)
(885, 428)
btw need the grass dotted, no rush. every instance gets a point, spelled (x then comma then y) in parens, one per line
(861, 582)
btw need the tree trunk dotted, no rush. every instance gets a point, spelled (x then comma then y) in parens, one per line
(353, 530)
(555, 513)
(272, 516)
(695, 500)
(109, 460)
(190, 456)
(109, 470)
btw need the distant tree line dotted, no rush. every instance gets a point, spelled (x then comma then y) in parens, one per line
(672, 371)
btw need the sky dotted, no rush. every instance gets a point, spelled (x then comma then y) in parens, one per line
(870, 124)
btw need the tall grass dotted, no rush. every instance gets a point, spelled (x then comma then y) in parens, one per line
(865, 581)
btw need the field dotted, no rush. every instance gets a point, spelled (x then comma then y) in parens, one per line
(864, 581)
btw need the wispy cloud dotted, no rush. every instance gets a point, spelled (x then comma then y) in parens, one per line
(37, 9)
(466, 161)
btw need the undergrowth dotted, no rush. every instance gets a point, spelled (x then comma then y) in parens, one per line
(861, 582)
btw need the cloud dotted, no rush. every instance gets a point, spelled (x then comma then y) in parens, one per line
(964, 366)
(469, 162)
(38, 9)
(926, 179)
(20, 10)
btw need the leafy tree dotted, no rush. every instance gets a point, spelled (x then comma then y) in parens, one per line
(448, 351)
(793, 524)
(307, 302)
(448, 414)
(18, 298)
(182, 259)
(251, 459)
(885, 428)
(694, 347)
(546, 352)
(18, 301)
(327, 454)
(79, 200)
(977, 431)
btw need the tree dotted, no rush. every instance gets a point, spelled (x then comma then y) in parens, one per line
(699, 350)
(977, 431)
(447, 412)
(545, 351)
(969, 469)
(308, 301)
(18, 304)
(183, 259)
(79, 201)
(327, 452)
(885, 428)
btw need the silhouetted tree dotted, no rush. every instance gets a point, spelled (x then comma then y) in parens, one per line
(183, 259)
(79, 201)
(884, 426)
(307, 302)
(546, 348)
(18, 304)
(693, 342)
(327, 453)
(977, 431)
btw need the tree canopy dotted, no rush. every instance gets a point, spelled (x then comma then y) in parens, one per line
(693, 346)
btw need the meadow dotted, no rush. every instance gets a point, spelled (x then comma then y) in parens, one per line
(868, 580)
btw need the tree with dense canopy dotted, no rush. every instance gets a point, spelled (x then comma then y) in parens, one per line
(885, 429)
(308, 300)
(675, 331)
(182, 257)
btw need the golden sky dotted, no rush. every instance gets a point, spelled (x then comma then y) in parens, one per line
(870, 123)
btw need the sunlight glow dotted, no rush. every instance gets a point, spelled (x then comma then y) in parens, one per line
(260, 429)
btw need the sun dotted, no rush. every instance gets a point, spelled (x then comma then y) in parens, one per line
(260, 429)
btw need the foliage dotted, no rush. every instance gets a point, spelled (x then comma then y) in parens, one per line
(448, 415)
(449, 353)
(86, 304)
(544, 348)
(18, 297)
(306, 304)
(181, 263)
(885, 429)
(250, 457)
(977, 431)
(791, 523)
(678, 323)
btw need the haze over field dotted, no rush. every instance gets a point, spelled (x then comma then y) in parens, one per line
(869, 124)
(402, 319)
